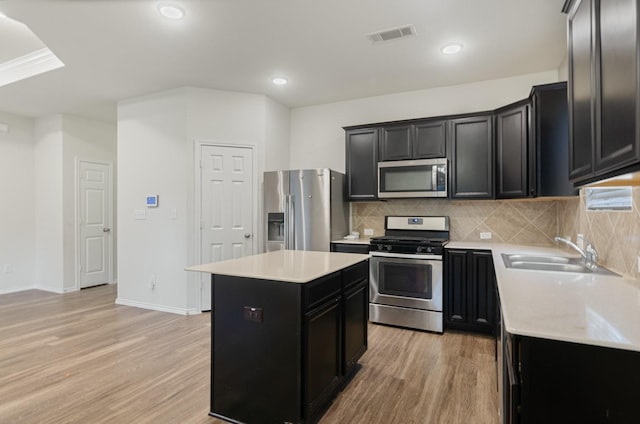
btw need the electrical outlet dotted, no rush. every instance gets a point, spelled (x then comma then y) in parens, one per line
(485, 235)
(368, 231)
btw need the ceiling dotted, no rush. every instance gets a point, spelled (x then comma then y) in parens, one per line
(119, 49)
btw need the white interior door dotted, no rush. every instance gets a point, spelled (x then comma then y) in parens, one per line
(226, 207)
(94, 223)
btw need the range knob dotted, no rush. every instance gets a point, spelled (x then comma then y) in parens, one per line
(429, 249)
(388, 247)
(419, 249)
(380, 247)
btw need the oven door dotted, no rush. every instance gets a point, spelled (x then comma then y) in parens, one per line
(410, 281)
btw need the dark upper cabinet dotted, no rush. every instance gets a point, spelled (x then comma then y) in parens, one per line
(617, 143)
(470, 296)
(362, 163)
(512, 151)
(603, 88)
(396, 143)
(471, 175)
(430, 139)
(549, 164)
(420, 140)
(580, 50)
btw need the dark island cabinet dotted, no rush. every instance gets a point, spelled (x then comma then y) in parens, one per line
(471, 161)
(470, 299)
(604, 91)
(362, 163)
(356, 315)
(288, 347)
(421, 140)
(513, 151)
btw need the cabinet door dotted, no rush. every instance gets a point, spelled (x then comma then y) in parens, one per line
(395, 143)
(472, 158)
(512, 152)
(430, 140)
(356, 310)
(580, 91)
(362, 164)
(322, 355)
(456, 275)
(617, 143)
(482, 290)
(550, 120)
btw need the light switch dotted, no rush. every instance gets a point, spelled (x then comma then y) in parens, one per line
(139, 214)
(174, 213)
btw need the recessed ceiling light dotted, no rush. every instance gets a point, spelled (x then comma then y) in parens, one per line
(170, 11)
(451, 48)
(279, 80)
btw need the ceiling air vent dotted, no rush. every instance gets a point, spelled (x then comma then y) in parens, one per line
(391, 34)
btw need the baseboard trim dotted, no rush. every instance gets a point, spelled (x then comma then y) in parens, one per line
(155, 307)
(18, 289)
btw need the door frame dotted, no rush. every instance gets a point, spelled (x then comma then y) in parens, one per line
(78, 161)
(198, 144)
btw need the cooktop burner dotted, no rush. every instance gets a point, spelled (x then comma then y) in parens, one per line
(413, 234)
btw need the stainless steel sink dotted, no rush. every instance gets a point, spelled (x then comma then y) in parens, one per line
(550, 263)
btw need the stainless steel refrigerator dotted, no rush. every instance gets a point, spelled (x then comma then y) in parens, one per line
(304, 209)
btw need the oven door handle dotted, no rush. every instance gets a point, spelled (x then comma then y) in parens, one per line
(407, 256)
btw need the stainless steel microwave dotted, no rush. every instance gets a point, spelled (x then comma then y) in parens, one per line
(412, 178)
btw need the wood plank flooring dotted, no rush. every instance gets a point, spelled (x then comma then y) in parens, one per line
(80, 358)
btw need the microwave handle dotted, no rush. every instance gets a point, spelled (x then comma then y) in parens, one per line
(434, 178)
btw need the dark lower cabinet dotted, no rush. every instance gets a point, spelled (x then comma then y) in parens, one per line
(471, 161)
(469, 292)
(282, 351)
(362, 248)
(559, 382)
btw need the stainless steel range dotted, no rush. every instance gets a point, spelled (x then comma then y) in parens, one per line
(406, 272)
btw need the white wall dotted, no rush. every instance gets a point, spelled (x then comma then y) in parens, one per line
(317, 138)
(83, 139)
(157, 135)
(17, 210)
(152, 157)
(48, 204)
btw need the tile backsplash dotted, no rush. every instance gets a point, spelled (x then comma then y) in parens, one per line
(615, 235)
(520, 222)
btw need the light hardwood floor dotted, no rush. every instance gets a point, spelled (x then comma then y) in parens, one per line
(80, 358)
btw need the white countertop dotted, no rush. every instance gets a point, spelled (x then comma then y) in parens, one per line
(355, 241)
(591, 309)
(294, 266)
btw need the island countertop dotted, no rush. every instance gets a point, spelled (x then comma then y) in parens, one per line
(293, 266)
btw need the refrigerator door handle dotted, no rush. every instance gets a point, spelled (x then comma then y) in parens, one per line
(289, 222)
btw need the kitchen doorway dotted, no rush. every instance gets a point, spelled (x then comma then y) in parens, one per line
(94, 252)
(226, 207)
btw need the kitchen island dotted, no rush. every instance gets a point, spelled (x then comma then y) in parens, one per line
(287, 330)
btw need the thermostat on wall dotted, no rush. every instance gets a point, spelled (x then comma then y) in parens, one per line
(152, 201)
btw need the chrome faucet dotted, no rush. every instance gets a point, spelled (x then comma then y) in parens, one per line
(589, 255)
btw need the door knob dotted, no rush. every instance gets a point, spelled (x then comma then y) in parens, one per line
(106, 230)
(247, 235)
